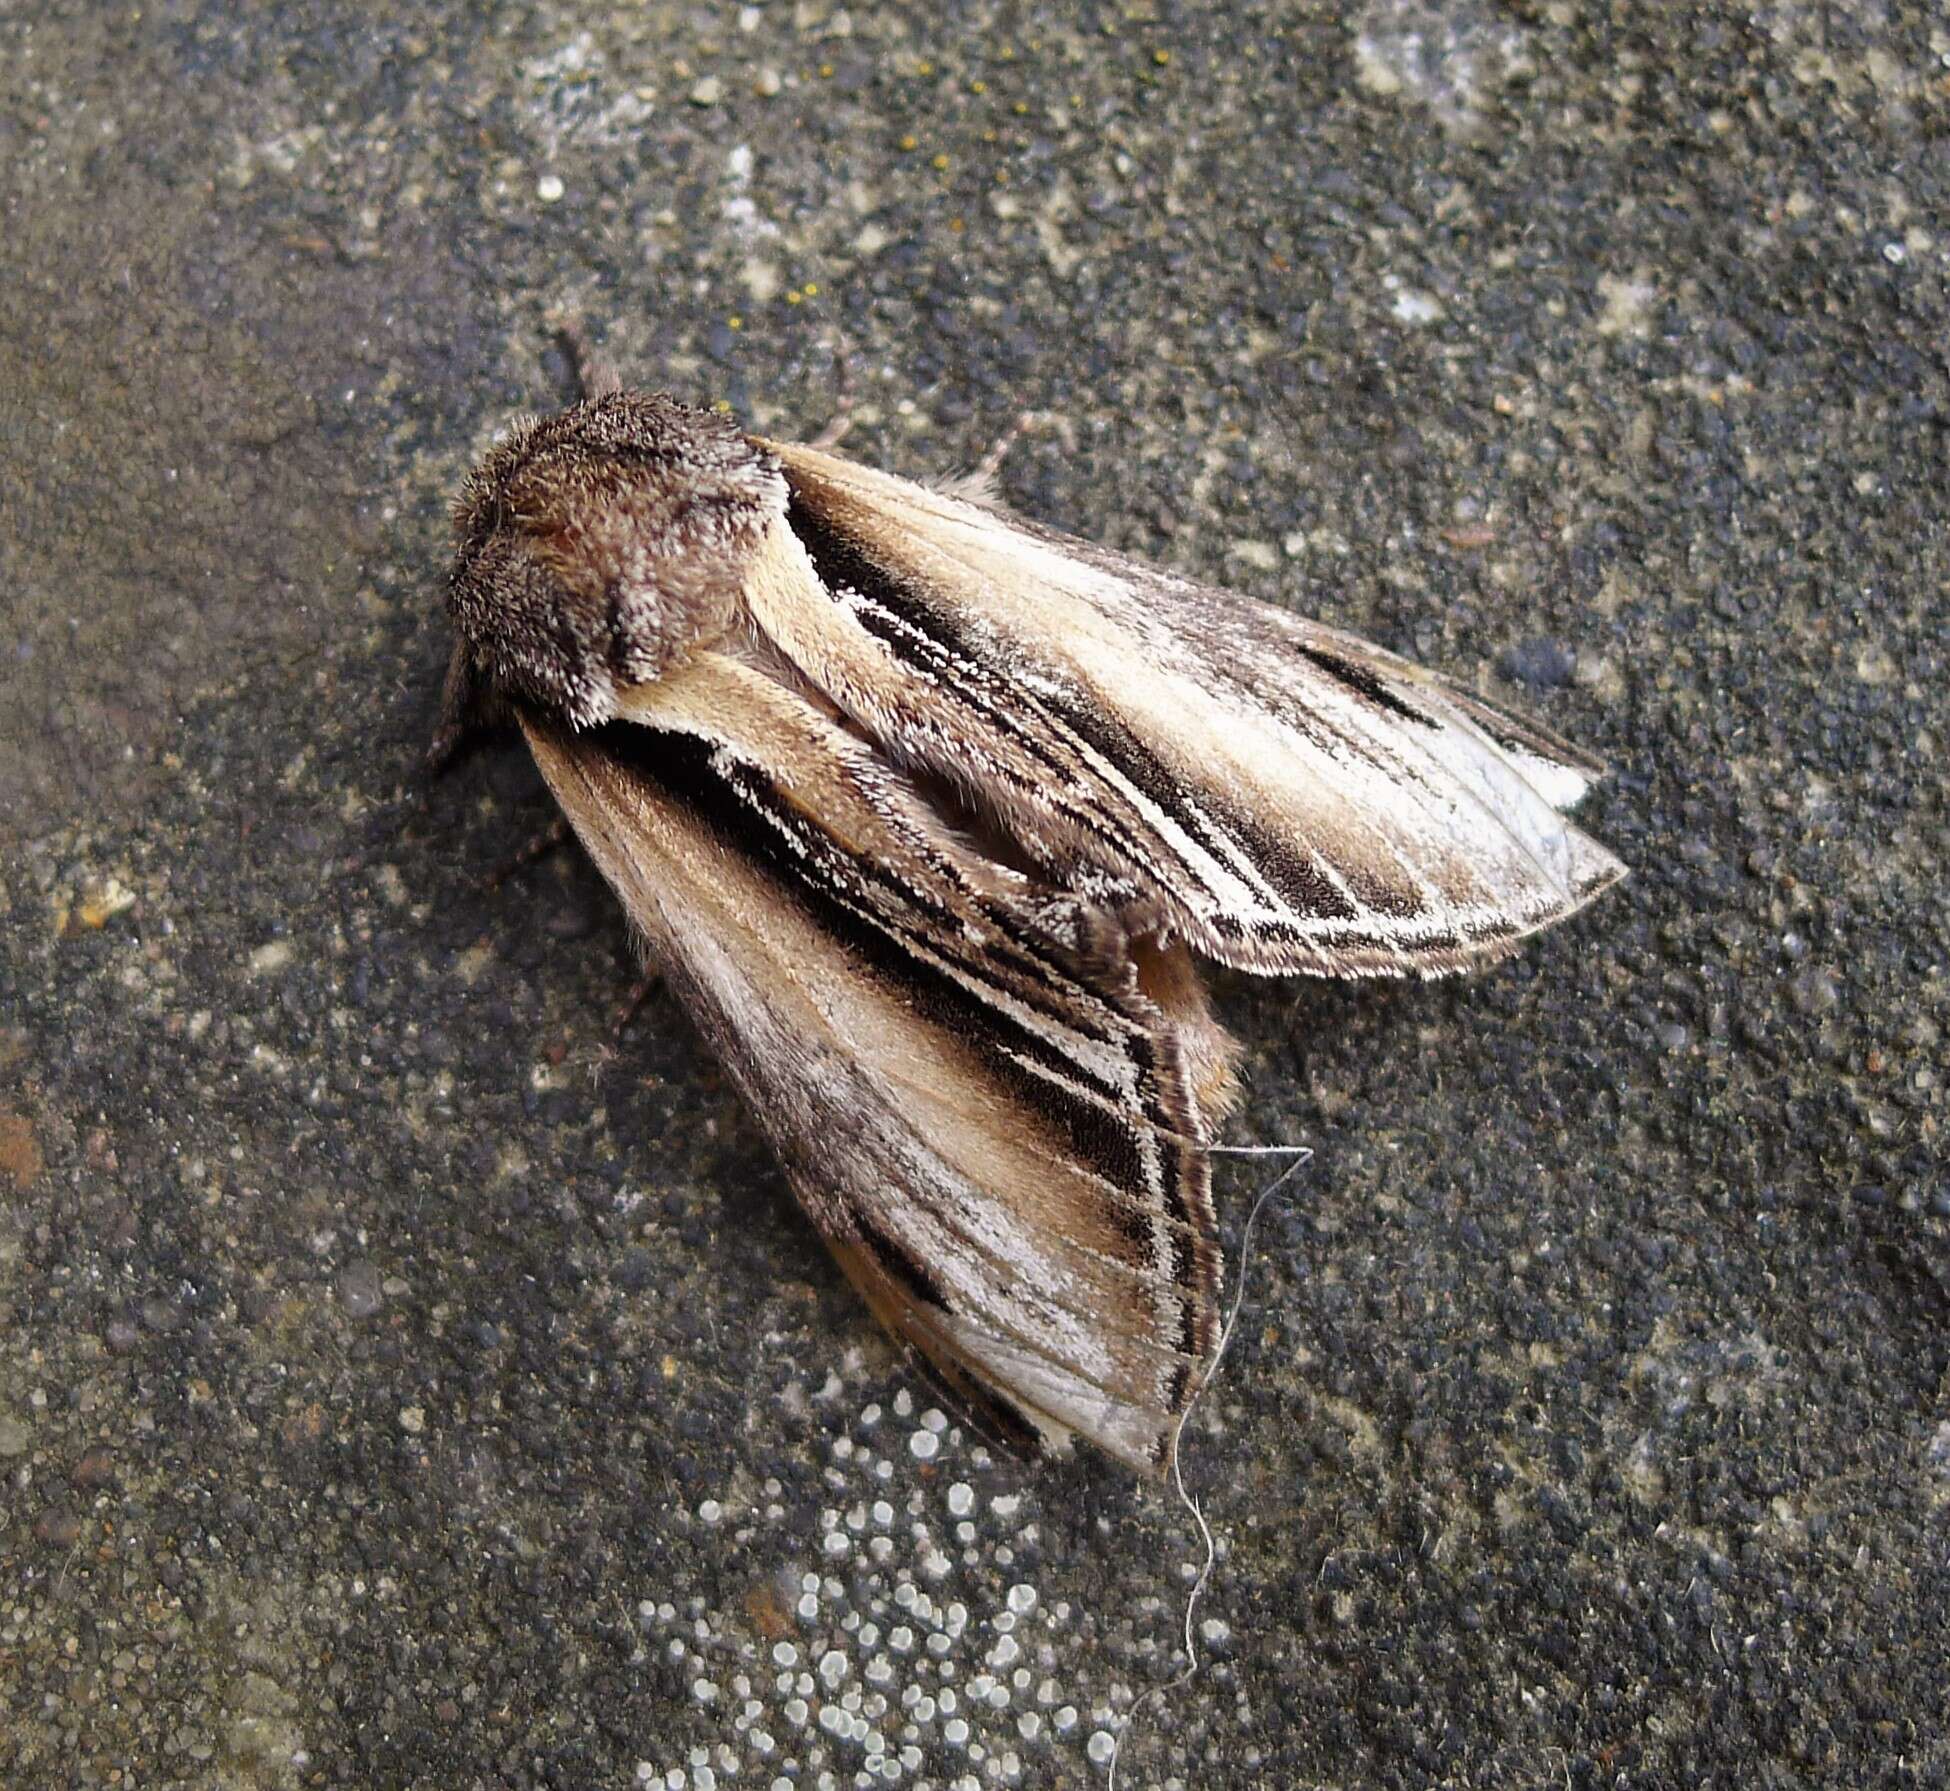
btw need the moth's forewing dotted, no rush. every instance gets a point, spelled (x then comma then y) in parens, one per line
(1286, 795)
(994, 1126)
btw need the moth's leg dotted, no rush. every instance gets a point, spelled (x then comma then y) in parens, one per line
(978, 485)
(842, 418)
(467, 710)
(538, 845)
(626, 1009)
(990, 464)
(592, 372)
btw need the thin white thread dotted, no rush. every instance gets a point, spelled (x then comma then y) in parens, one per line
(1301, 1155)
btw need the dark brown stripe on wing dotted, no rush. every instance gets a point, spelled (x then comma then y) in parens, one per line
(1363, 682)
(899, 1265)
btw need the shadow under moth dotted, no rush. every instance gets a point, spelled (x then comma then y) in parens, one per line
(926, 813)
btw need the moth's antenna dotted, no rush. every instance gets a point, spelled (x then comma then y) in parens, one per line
(842, 418)
(1300, 1156)
(594, 376)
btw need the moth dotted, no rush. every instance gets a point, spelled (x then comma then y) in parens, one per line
(927, 814)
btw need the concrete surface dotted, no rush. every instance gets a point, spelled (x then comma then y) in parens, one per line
(398, 1387)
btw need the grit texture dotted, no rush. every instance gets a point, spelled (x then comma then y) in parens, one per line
(403, 1383)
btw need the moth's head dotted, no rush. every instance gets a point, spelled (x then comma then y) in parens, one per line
(596, 549)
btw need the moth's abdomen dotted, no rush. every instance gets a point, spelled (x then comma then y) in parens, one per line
(599, 549)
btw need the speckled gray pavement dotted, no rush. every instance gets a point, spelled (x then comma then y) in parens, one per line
(400, 1386)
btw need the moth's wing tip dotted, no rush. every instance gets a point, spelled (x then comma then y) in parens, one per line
(1561, 776)
(1561, 773)
(1142, 1437)
(1605, 869)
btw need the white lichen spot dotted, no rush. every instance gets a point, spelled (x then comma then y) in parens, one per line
(1624, 306)
(1411, 307)
(1446, 57)
(1259, 555)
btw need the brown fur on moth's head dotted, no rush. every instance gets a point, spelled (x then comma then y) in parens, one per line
(597, 548)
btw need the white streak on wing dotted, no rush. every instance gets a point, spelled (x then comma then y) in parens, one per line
(1513, 829)
(1035, 1299)
(1111, 1065)
(1128, 662)
(1562, 786)
(1245, 889)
